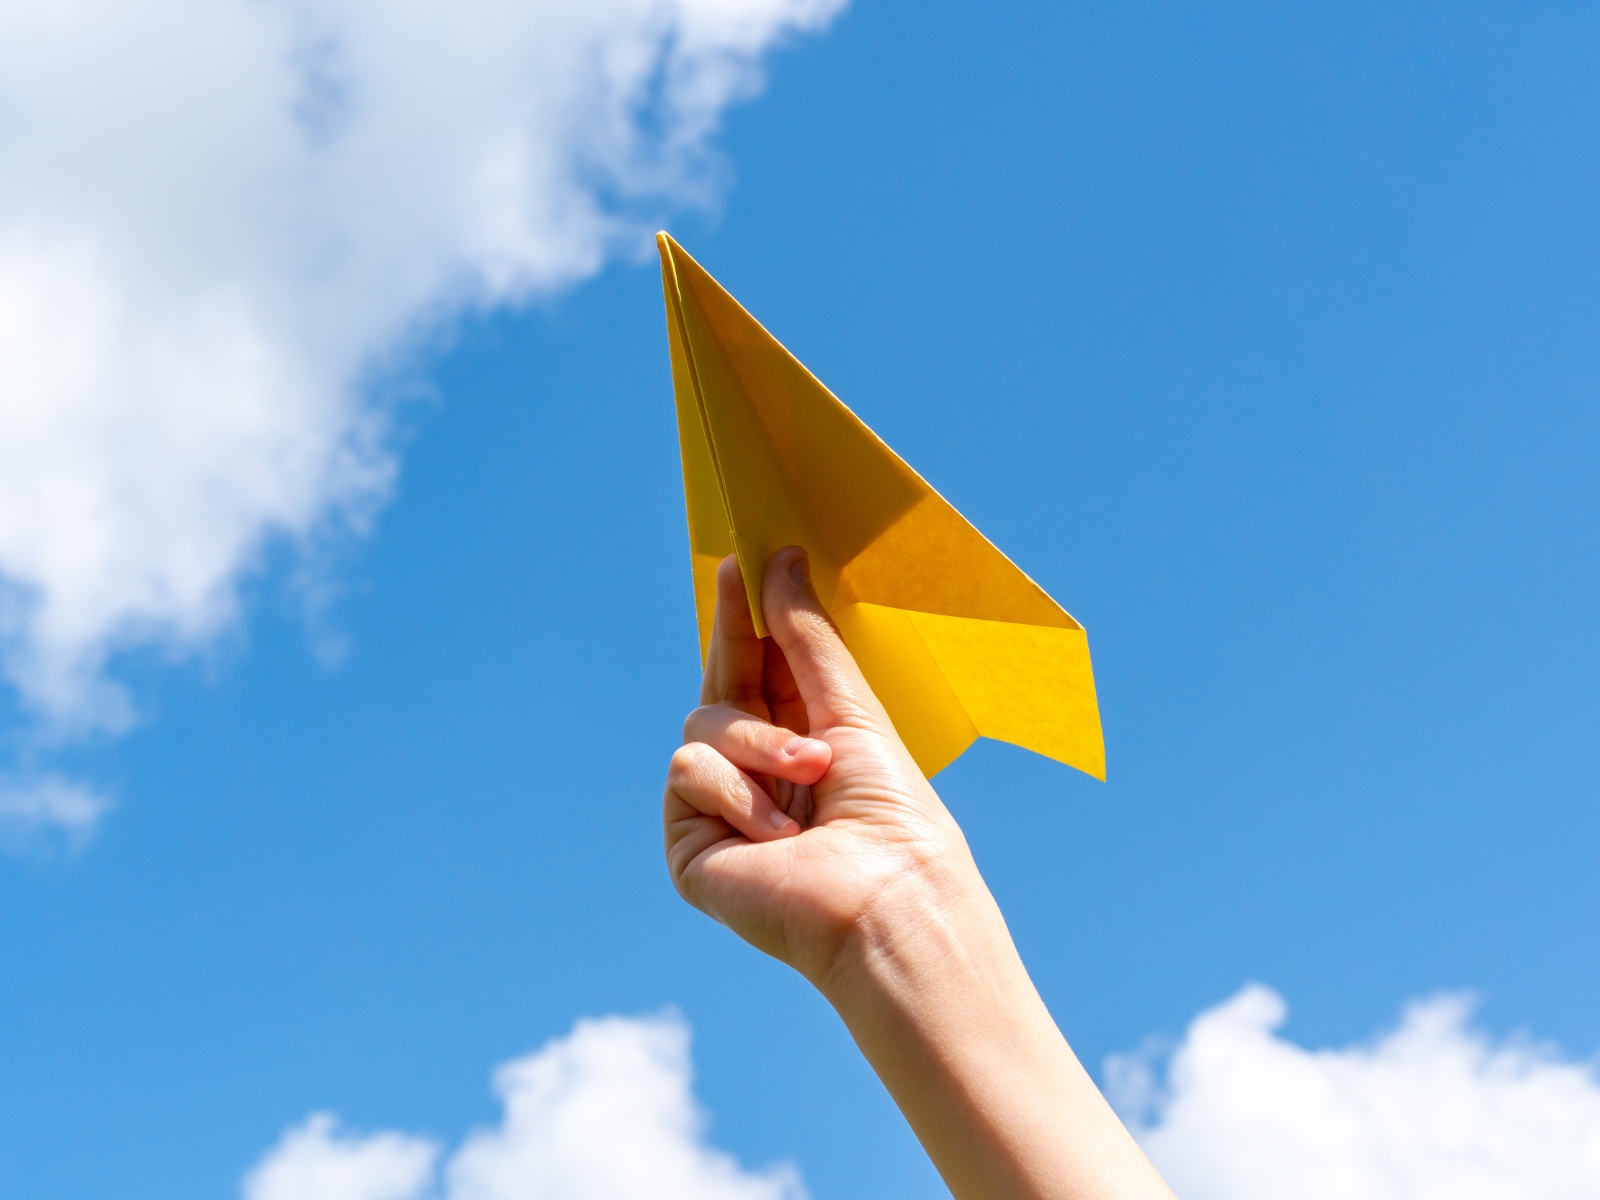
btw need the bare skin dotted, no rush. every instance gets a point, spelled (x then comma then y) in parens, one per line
(795, 816)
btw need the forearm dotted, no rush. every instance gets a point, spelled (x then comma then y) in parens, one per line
(936, 996)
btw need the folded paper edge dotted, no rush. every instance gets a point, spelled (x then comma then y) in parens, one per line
(673, 287)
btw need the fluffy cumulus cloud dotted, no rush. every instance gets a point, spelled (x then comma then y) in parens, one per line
(224, 223)
(1434, 1110)
(603, 1114)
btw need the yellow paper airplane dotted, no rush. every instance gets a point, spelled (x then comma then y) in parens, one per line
(955, 640)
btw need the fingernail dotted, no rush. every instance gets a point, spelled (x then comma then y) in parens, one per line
(800, 569)
(796, 744)
(779, 820)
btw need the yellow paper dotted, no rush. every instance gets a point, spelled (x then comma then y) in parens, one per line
(957, 642)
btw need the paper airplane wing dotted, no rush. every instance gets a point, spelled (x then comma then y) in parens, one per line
(956, 641)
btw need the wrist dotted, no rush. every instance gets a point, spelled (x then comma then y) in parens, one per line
(929, 934)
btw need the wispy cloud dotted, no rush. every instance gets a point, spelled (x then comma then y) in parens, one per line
(48, 809)
(605, 1113)
(1434, 1110)
(221, 221)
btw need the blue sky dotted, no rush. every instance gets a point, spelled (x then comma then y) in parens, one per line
(1262, 337)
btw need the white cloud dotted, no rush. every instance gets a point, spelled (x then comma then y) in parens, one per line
(45, 806)
(222, 220)
(1435, 1110)
(605, 1113)
(314, 1161)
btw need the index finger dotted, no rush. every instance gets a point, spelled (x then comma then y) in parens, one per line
(734, 662)
(825, 672)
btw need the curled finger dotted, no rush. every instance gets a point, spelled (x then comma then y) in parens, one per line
(708, 783)
(757, 746)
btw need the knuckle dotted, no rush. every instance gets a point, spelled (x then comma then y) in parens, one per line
(681, 882)
(684, 764)
(678, 871)
(849, 711)
(676, 862)
(710, 721)
(741, 694)
(694, 722)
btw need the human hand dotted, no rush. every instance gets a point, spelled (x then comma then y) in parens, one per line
(793, 813)
(795, 816)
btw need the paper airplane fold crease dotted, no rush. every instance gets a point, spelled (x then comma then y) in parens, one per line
(955, 640)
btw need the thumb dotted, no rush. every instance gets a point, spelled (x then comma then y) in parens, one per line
(825, 672)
